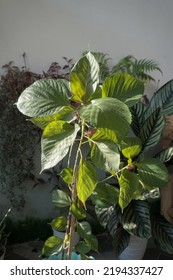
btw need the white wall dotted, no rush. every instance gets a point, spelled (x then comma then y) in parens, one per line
(49, 29)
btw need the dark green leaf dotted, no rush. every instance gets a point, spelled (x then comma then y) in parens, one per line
(152, 129)
(137, 112)
(104, 214)
(44, 98)
(120, 241)
(60, 199)
(82, 247)
(105, 195)
(165, 155)
(162, 232)
(136, 219)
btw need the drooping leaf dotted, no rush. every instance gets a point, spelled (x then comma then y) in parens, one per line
(66, 114)
(152, 172)
(105, 195)
(120, 241)
(67, 175)
(131, 146)
(105, 155)
(152, 129)
(59, 223)
(136, 219)
(108, 113)
(163, 99)
(123, 87)
(57, 137)
(60, 199)
(84, 78)
(162, 232)
(165, 155)
(44, 98)
(86, 181)
(53, 244)
(137, 112)
(129, 183)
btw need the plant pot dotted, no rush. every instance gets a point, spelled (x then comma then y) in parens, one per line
(61, 235)
(135, 250)
(2, 252)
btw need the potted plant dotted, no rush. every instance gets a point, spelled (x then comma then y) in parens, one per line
(3, 236)
(87, 125)
(141, 217)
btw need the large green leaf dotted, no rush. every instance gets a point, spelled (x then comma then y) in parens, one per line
(66, 114)
(114, 221)
(131, 146)
(121, 240)
(163, 99)
(137, 112)
(136, 219)
(123, 87)
(162, 232)
(152, 129)
(108, 113)
(44, 98)
(57, 137)
(84, 78)
(152, 172)
(60, 199)
(86, 181)
(105, 195)
(105, 155)
(129, 183)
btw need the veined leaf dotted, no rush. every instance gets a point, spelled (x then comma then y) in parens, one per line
(120, 241)
(84, 78)
(131, 146)
(104, 214)
(66, 114)
(136, 219)
(151, 131)
(57, 137)
(152, 172)
(44, 98)
(162, 232)
(59, 223)
(123, 87)
(60, 199)
(137, 112)
(108, 113)
(165, 155)
(105, 155)
(163, 99)
(129, 183)
(114, 221)
(104, 134)
(86, 181)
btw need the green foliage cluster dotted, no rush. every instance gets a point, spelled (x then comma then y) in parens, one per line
(83, 112)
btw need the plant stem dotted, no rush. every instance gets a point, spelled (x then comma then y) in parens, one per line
(72, 219)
